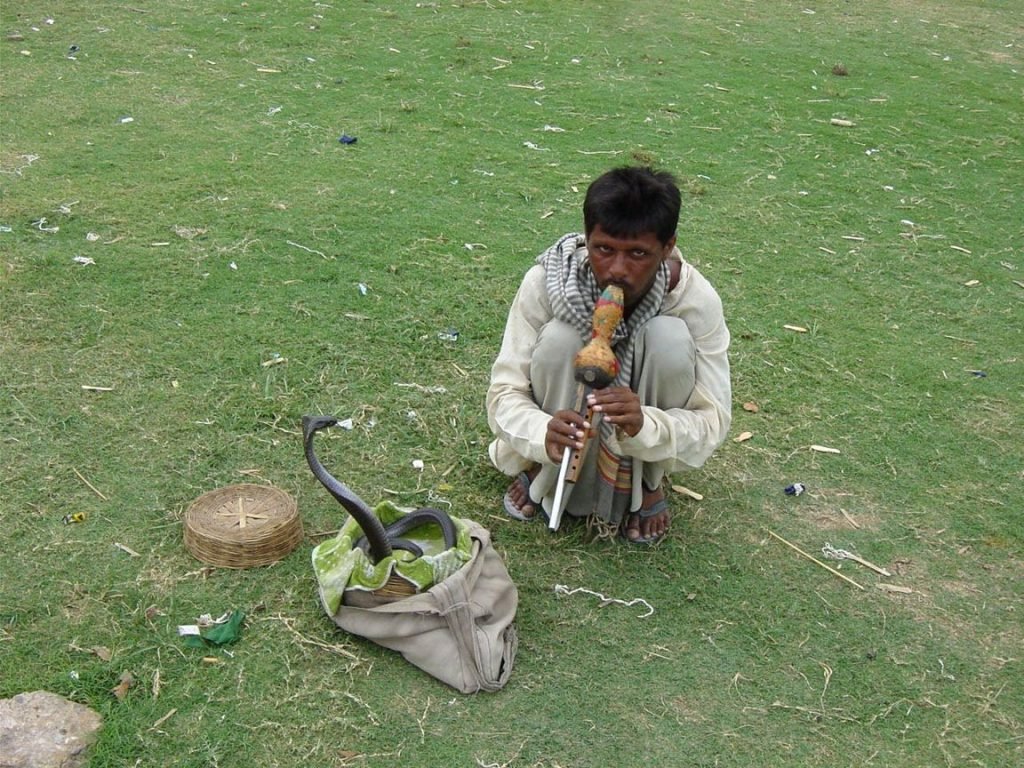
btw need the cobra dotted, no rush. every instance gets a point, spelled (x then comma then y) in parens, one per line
(377, 540)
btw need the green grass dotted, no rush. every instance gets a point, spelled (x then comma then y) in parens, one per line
(228, 225)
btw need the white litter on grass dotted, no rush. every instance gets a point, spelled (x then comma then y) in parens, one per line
(417, 464)
(362, 288)
(206, 620)
(233, 265)
(92, 237)
(554, 129)
(561, 589)
(346, 424)
(126, 119)
(531, 145)
(434, 390)
(41, 226)
(85, 261)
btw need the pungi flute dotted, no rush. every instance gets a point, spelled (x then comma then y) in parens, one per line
(595, 367)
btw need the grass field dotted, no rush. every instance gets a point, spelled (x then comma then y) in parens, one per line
(853, 170)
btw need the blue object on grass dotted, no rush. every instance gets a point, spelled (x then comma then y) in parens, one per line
(346, 139)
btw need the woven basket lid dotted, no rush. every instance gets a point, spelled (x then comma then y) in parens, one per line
(241, 526)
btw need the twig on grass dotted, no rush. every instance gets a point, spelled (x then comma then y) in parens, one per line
(507, 763)
(896, 588)
(421, 719)
(815, 560)
(828, 678)
(815, 712)
(331, 647)
(369, 712)
(91, 486)
(308, 250)
(163, 719)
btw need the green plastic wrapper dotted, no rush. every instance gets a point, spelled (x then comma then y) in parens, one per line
(218, 634)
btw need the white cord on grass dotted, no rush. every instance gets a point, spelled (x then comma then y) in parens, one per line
(561, 589)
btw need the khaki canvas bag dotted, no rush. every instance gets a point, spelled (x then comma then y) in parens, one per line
(460, 631)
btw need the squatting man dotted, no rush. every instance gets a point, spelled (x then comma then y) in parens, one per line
(669, 407)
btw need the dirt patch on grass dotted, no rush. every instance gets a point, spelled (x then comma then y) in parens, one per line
(984, 594)
(836, 509)
(15, 163)
(687, 712)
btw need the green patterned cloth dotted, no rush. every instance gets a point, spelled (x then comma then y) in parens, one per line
(339, 567)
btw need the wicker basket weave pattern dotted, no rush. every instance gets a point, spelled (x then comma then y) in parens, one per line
(241, 526)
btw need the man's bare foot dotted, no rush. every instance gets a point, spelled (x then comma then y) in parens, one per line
(518, 503)
(650, 524)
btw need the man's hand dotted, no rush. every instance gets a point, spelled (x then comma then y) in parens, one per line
(566, 429)
(620, 406)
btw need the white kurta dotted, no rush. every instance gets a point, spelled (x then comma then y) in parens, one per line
(671, 439)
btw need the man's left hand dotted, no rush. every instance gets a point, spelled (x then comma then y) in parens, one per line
(620, 406)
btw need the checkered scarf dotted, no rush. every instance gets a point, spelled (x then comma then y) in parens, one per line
(573, 292)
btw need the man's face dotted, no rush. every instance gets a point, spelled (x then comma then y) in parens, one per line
(631, 262)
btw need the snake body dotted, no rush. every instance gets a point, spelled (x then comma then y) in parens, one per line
(377, 540)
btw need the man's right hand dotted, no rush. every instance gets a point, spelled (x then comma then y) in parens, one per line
(566, 429)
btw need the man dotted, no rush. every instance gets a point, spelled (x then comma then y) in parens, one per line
(669, 407)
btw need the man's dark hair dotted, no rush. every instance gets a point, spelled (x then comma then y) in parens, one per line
(631, 201)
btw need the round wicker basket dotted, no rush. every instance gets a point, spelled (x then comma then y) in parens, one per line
(242, 526)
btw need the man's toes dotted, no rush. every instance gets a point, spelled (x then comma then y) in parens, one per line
(521, 500)
(653, 527)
